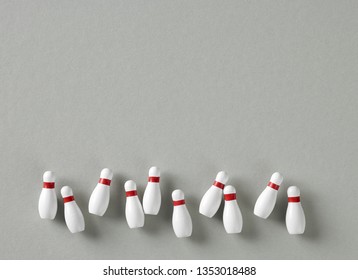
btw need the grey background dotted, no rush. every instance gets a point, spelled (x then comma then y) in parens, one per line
(194, 87)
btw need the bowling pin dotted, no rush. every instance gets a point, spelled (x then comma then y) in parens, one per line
(134, 211)
(48, 199)
(152, 197)
(73, 215)
(211, 200)
(295, 217)
(232, 217)
(99, 199)
(267, 199)
(181, 220)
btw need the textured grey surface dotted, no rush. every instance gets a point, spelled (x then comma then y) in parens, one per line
(194, 87)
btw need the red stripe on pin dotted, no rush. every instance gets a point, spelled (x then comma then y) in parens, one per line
(294, 199)
(49, 185)
(131, 193)
(219, 185)
(273, 185)
(154, 179)
(104, 181)
(230, 196)
(178, 202)
(68, 199)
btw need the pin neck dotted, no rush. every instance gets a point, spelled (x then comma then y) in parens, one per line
(104, 181)
(49, 185)
(230, 196)
(294, 199)
(68, 199)
(219, 185)
(178, 202)
(131, 193)
(153, 179)
(273, 185)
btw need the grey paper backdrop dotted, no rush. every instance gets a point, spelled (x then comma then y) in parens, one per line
(194, 87)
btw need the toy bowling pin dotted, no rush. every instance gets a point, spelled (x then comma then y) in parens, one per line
(152, 196)
(48, 200)
(73, 214)
(181, 220)
(295, 217)
(211, 200)
(99, 199)
(134, 210)
(232, 217)
(267, 199)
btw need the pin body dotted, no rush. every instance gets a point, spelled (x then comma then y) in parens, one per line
(267, 199)
(181, 220)
(100, 196)
(211, 200)
(232, 217)
(152, 196)
(134, 210)
(48, 200)
(295, 216)
(73, 214)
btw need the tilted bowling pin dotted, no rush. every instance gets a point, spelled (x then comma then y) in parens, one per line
(134, 210)
(267, 199)
(73, 215)
(48, 199)
(99, 199)
(295, 217)
(181, 220)
(232, 217)
(211, 200)
(152, 197)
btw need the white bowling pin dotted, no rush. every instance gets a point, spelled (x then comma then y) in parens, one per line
(295, 217)
(134, 210)
(211, 200)
(73, 215)
(181, 220)
(48, 199)
(99, 199)
(232, 217)
(152, 197)
(267, 199)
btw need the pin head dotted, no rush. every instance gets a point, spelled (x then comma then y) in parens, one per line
(49, 176)
(154, 172)
(293, 191)
(66, 191)
(276, 178)
(107, 173)
(177, 195)
(222, 177)
(130, 185)
(229, 189)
